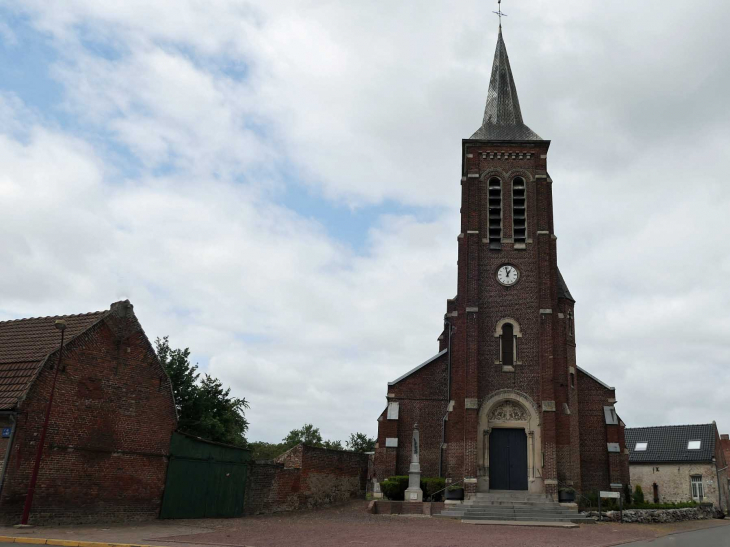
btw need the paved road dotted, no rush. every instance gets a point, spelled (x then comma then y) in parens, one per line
(711, 537)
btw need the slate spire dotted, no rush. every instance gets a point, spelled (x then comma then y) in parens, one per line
(502, 115)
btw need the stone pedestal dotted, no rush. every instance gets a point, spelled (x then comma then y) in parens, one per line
(414, 492)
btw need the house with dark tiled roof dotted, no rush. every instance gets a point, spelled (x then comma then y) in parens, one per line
(112, 416)
(679, 463)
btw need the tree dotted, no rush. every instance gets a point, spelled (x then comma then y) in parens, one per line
(204, 408)
(261, 450)
(359, 442)
(307, 434)
(333, 445)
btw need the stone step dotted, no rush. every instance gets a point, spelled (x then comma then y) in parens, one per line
(469, 514)
(576, 519)
(507, 503)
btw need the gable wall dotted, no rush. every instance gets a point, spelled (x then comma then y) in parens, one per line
(108, 438)
(422, 400)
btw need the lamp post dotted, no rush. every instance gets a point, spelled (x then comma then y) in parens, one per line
(60, 324)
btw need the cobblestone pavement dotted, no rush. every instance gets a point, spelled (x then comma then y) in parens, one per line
(351, 526)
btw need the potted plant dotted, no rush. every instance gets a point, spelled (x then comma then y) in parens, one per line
(455, 493)
(566, 495)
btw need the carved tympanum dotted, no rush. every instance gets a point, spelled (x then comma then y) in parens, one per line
(508, 411)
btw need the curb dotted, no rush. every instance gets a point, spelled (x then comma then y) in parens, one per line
(67, 542)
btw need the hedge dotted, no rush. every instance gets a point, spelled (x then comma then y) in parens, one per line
(394, 488)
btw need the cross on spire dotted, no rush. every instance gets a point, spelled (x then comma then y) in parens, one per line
(500, 13)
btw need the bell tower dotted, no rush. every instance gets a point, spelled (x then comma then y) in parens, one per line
(509, 343)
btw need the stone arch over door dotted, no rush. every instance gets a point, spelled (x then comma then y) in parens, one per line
(511, 409)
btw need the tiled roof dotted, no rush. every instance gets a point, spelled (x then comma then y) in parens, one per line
(669, 443)
(24, 345)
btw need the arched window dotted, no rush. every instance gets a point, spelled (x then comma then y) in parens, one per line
(508, 345)
(495, 213)
(519, 212)
(508, 332)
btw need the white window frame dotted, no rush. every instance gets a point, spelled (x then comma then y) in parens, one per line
(694, 444)
(698, 489)
(641, 446)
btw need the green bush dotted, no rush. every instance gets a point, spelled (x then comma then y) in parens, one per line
(431, 485)
(394, 488)
(638, 495)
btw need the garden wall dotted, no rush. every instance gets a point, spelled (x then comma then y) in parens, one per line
(647, 516)
(304, 478)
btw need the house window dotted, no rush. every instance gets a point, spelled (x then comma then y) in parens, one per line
(641, 446)
(572, 379)
(698, 492)
(495, 213)
(694, 445)
(519, 212)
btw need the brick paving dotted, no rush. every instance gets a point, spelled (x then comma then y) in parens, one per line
(351, 526)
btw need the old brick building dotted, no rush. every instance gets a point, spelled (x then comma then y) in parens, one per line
(503, 404)
(108, 439)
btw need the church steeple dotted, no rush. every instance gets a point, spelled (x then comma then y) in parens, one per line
(502, 115)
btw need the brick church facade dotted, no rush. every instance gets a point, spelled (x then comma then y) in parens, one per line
(503, 404)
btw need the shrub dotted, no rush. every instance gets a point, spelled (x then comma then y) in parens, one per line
(394, 488)
(638, 495)
(628, 496)
(431, 485)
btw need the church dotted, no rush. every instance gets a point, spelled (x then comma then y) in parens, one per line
(503, 405)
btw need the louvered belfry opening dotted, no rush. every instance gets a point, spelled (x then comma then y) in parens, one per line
(495, 213)
(519, 211)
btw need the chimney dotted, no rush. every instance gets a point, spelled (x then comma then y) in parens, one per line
(725, 437)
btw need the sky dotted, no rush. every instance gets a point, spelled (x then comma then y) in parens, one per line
(275, 185)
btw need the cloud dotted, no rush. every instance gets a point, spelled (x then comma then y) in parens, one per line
(191, 122)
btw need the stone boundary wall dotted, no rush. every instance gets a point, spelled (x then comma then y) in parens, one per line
(384, 507)
(650, 516)
(304, 478)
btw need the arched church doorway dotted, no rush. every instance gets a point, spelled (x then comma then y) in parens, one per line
(509, 453)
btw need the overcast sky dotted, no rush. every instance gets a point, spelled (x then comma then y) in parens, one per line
(275, 184)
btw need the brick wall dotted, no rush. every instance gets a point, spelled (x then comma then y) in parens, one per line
(422, 399)
(319, 477)
(109, 433)
(599, 468)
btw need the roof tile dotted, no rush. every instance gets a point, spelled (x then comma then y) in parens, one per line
(669, 443)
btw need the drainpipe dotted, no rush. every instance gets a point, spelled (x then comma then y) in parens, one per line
(11, 415)
(448, 397)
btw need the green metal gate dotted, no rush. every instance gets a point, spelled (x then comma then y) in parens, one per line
(204, 479)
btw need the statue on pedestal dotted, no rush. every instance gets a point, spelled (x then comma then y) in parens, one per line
(414, 492)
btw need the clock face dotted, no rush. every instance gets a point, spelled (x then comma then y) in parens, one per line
(507, 275)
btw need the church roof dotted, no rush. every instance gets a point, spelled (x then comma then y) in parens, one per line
(419, 367)
(563, 291)
(502, 115)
